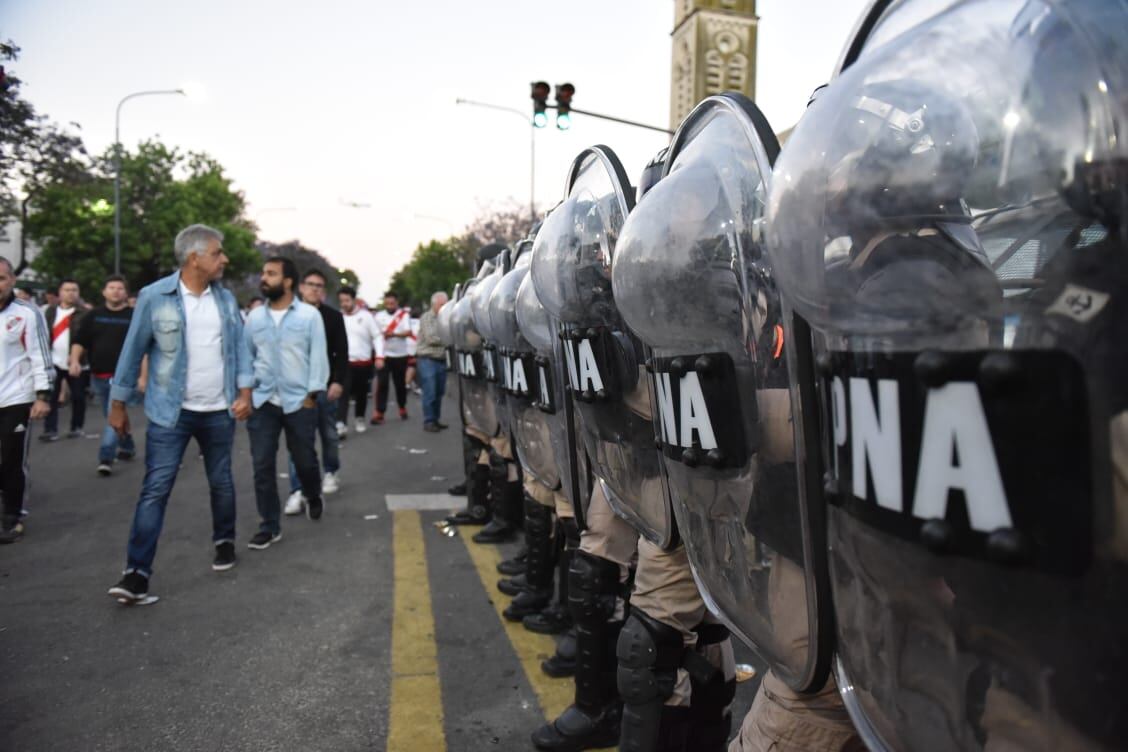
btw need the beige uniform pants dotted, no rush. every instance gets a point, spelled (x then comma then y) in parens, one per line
(782, 721)
(664, 587)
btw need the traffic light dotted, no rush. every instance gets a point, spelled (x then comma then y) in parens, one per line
(540, 103)
(564, 94)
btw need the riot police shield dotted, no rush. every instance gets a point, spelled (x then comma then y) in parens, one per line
(602, 359)
(480, 310)
(539, 330)
(516, 359)
(690, 279)
(947, 226)
(479, 412)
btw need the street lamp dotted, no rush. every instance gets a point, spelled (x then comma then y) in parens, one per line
(532, 146)
(117, 166)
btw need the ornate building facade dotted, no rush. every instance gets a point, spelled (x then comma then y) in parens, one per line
(714, 50)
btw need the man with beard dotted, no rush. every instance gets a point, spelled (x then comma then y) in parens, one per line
(199, 383)
(286, 339)
(99, 337)
(394, 325)
(25, 387)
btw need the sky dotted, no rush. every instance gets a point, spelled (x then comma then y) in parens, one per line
(337, 119)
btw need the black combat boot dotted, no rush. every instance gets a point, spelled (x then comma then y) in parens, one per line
(540, 563)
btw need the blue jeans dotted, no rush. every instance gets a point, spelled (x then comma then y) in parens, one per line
(110, 442)
(263, 427)
(164, 449)
(432, 377)
(327, 429)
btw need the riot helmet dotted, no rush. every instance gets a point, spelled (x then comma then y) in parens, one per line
(571, 270)
(691, 280)
(955, 317)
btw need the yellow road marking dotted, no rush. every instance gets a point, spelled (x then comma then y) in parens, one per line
(554, 695)
(415, 718)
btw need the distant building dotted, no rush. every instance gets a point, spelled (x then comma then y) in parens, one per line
(10, 246)
(714, 50)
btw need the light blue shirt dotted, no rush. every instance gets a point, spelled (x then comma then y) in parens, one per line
(289, 359)
(159, 329)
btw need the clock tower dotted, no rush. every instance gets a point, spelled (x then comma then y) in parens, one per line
(714, 50)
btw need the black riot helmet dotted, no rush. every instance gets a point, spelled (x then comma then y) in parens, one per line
(961, 374)
(651, 174)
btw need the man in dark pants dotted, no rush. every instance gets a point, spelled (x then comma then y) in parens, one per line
(25, 384)
(286, 339)
(313, 293)
(190, 328)
(394, 325)
(360, 328)
(62, 321)
(99, 336)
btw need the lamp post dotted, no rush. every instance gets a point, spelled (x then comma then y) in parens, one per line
(532, 146)
(117, 166)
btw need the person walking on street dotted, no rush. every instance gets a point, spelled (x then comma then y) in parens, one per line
(364, 339)
(394, 325)
(199, 383)
(430, 359)
(313, 293)
(62, 319)
(286, 339)
(99, 337)
(26, 373)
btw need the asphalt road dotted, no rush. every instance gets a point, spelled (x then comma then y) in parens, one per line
(290, 650)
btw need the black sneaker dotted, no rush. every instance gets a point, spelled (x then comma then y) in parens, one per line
(48, 437)
(224, 556)
(263, 540)
(314, 508)
(105, 468)
(134, 586)
(76, 433)
(430, 428)
(440, 425)
(124, 455)
(11, 533)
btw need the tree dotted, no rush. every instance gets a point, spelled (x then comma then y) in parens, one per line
(163, 190)
(305, 259)
(438, 265)
(34, 152)
(505, 224)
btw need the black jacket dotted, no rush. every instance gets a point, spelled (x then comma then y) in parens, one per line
(337, 343)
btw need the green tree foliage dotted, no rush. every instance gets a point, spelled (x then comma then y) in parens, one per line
(437, 265)
(305, 259)
(163, 190)
(34, 152)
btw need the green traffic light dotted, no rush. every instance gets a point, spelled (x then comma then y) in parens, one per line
(540, 119)
(563, 121)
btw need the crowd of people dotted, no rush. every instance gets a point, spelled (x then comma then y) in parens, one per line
(288, 365)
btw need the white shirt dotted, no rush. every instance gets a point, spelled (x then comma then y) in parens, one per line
(60, 346)
(203, 391)
(25, 355)
(361, 332)
(394, 347)
(413, 340)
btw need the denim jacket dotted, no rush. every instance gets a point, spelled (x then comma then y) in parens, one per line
(157, 330)
(290, 358)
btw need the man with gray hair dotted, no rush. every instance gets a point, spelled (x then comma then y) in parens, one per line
(430, 357)
(199, 383)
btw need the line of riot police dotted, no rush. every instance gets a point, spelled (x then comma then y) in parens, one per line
(861, 402)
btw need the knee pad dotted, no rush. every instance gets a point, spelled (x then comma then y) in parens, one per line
(593, 589)
(650, 654)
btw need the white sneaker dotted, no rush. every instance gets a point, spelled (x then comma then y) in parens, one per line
(359, 426)
(329, 484)
(342, 430)
(295, 503)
